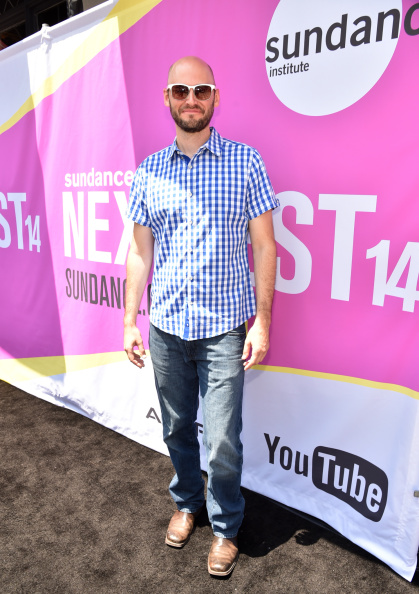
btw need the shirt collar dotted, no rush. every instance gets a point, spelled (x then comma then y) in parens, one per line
(213, 144)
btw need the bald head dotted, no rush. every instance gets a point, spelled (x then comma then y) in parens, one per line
(191, 114)
(190, 67)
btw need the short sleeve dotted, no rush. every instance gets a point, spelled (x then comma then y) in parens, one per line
(137, 210)
(260, 194)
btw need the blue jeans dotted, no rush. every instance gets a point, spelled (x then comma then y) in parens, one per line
(213, 366)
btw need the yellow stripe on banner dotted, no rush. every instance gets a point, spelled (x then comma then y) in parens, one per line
(124, 14)
(21, 370)
(341, 378)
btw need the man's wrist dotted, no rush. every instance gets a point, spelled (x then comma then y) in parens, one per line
(130, 320)
(264, 317)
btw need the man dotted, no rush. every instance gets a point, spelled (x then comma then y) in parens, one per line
(198, 198)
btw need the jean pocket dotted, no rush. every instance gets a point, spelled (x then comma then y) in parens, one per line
(239, 331)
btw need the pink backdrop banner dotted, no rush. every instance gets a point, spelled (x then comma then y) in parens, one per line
(110, 115)
(334, 115)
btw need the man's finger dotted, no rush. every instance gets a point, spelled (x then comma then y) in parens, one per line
(138, 361)
(136, 357)
(248, 364)
(141, 349)
(255, 359)
(246, 350)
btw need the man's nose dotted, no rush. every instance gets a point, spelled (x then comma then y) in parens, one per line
(188, 98)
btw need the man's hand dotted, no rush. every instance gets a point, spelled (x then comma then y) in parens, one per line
(132, 339)
(257, 341)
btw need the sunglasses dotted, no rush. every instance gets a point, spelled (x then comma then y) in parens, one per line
(201, 92)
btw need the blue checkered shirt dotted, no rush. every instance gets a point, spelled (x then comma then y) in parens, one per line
(199, 211)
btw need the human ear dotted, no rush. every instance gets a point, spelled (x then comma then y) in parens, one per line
(166, 97)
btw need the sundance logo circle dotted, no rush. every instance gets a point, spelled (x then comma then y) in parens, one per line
(322, 55)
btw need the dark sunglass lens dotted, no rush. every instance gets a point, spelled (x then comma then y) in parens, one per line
(203, 92)
(180, 92)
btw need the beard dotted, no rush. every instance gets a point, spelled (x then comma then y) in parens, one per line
(193, 125)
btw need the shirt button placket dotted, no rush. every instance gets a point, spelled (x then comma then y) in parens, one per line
(191, 246)
(190, 251)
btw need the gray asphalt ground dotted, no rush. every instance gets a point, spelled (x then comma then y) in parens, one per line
(84, 510)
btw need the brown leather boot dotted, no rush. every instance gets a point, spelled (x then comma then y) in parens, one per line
(223, 556)
(180, 528)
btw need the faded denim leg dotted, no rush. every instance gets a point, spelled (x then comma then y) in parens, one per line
(221, 378)
(177, 387)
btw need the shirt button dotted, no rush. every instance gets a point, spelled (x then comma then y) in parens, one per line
(190, 194)
(190, 165)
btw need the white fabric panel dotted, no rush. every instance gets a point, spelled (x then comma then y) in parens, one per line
(27, 64)
(305, 413)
